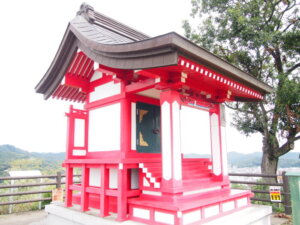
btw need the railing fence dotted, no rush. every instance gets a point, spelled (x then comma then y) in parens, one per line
(250, 184)
(57, 182)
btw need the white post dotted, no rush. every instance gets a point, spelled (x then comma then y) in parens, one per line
(41, 195)
(171, 142)
(10, 208)
(215, 144)
(223, 140)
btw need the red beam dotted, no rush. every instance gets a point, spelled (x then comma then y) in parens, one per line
(140, 86)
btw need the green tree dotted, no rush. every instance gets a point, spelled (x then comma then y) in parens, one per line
(26, 164)
(262, 37)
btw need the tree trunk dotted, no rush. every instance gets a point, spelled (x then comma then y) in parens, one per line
(268, 162)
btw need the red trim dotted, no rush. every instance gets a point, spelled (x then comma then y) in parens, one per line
(103, 80)
(104, 102)
(125, 126)
(84, 200)
(139, 98)
(232, 85)
(105, 185)
(140, 86)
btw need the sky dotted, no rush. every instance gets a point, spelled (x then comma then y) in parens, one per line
(31, 32)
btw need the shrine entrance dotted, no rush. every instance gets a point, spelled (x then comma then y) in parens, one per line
(148, 128)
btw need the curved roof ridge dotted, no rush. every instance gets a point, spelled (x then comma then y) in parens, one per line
(101, 20)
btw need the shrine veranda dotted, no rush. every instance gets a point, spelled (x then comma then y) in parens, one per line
(147, 103)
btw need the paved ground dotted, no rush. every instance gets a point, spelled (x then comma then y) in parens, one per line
(26, 218)
(38, 218)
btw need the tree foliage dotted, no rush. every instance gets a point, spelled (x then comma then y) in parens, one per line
(262, 38)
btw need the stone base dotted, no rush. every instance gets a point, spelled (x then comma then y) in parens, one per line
(60, 215)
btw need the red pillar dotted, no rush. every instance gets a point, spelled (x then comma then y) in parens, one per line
(125, 126)
(104, 186)
(70, 133)
(69, 182)
(84, 200)
(122, 193)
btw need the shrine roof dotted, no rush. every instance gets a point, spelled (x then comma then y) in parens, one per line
(113, 44)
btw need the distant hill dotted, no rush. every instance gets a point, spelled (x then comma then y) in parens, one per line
(52, 161)
(241, 160)
(290, 159)
(10, 153)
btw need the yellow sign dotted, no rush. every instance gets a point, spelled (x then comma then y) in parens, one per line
(275, 194)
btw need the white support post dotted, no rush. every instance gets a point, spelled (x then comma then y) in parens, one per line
(171, 143)
(215, 144)
(223, 140)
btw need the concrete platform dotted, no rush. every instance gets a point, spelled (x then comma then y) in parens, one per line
(59, 215)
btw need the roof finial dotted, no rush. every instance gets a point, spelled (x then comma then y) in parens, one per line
(87, 11)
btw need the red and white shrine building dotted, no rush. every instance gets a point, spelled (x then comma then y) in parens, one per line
(152, 107)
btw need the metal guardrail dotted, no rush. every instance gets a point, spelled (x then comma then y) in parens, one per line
(250, 184)
(57, 183)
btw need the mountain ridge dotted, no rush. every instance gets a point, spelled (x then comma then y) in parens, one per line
(9, 153)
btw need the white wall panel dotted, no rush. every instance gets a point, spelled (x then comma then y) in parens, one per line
(104, 128)
(177, 167)
(133, 126)
(227, 206)
(134, 178)
(215, 140)
(95, 177)
(96, 76)
(141, 213)
(211, 211)
(164, 217)
(195, 131)
(113, 178)
(105, 90)
(166, 141)
(191, 217)
(79, 133)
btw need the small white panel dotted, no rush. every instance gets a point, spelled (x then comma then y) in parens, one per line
(95, 177)
(166, 140)
(242, 202)
(215, 140)
(104, 128)
(227, 206)
(211, 211)
(105, 90)
(96, 76)
(164, 217)
(146, 183)
(156, 185)
(113, 178)
(133, 126)
(155, 193)
(191, 217)
(79, 152)
(134, 178)
(141, 213)
(79, 133)
(177, 167)
(152, 93)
